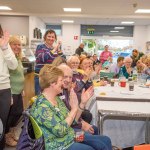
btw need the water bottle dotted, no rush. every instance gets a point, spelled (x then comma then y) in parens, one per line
(122, 78)
(121, 74)
(134, 75)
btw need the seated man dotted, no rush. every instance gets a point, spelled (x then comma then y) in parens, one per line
(95, 60)
(115, 67)
(126, 70)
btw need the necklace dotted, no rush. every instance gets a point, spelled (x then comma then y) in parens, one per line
(50, 47)
(53, 102)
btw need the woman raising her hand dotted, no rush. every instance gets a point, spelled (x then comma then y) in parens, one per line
(45, 54)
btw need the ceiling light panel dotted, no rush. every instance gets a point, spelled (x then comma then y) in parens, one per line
(119, 28)
(127, 22)
(72, 9)
(5, 8)
(146, 11)
(114, 31)
(67, 21)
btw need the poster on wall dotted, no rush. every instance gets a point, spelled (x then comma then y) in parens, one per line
(67, 50)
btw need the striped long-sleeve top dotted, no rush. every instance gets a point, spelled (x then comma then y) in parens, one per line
(44, 55)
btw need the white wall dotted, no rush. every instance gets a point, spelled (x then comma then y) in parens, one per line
(140, 37)
(35, 22)
(15, 25)
(148, 32)
(69, 43)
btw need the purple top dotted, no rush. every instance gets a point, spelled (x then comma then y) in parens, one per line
(65, 98)
(44, 56)
(80, 85)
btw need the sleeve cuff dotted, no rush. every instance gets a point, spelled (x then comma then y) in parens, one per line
(4, 47)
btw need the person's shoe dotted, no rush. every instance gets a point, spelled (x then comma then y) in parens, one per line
(9, 140)
(14, 133)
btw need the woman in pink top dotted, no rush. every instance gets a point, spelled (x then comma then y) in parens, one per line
(105, 55)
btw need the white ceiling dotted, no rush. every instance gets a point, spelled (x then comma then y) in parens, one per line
(98, 12)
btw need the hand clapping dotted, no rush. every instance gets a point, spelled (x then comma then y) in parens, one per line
(4, 40)
(73, 99)
(86, 95)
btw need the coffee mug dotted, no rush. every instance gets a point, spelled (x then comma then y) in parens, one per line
(122, 83)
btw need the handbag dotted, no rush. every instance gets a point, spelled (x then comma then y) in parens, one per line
(27, 139)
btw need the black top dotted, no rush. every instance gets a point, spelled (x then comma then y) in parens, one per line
(79, 50)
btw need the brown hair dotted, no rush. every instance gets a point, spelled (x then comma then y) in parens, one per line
(50, 32)
(49, 74)
(135, 50)
(120, 58)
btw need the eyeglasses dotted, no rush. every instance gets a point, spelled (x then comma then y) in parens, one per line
(75, 63)
(65, 77)
(128, 62)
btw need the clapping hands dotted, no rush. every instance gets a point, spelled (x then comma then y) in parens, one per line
(87, 127)
(4, 40)
(87, 94)
(73, 99)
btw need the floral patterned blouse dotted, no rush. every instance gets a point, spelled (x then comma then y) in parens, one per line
(57, 134)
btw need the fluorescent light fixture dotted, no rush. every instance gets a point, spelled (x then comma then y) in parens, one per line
(119, 28)
(72, 9)
(146, 11)
(114, 31)
(5, 8)
(67, 21)
(127, 22)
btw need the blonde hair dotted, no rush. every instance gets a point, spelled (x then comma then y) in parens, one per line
(69, 60)
(49, 74)
(143, 59)
(147, 60)
(15, 39)
(58, 60)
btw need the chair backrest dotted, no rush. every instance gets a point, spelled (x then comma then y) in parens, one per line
(142, 147)
(36, 128)
(108, 74)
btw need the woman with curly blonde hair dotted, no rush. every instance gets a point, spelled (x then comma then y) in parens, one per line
(17, 85)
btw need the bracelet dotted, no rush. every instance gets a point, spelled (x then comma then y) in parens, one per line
(82, 109)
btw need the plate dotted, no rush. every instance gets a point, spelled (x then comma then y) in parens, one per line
(143, 86)
(127, 92)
